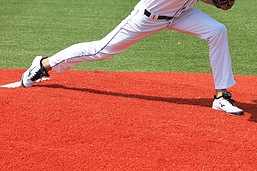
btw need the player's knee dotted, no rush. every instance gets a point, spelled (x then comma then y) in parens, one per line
(218, 33)
(220, 29)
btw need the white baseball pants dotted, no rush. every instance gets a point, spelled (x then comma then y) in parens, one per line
(138, 26)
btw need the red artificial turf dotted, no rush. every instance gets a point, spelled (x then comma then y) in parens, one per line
(95, 120)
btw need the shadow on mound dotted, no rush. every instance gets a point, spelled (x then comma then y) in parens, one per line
(203, 102)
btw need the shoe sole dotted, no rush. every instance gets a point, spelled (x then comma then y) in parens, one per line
(236, 113)
(22, 84)
(232, 113)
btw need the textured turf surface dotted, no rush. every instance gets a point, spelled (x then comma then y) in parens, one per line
(98, 120)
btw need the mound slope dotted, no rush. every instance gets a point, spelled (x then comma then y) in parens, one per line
(95, 120)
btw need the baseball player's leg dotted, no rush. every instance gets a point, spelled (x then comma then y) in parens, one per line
(198, 23)
(127, 33)
(132, 29)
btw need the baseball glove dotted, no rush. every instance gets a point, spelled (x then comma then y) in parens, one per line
(224, 4)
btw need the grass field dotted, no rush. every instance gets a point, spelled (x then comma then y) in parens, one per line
(30, 28)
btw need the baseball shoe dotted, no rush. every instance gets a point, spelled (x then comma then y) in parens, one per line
(34, 73)
(226, 104)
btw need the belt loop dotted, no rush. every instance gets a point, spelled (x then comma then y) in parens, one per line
(155, 17)
(151, 15)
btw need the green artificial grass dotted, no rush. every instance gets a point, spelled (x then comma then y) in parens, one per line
(44, 27)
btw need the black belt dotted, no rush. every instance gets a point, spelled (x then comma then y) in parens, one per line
(161, 17)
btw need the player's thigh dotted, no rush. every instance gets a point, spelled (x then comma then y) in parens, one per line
(197, 23)
(129, 31)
